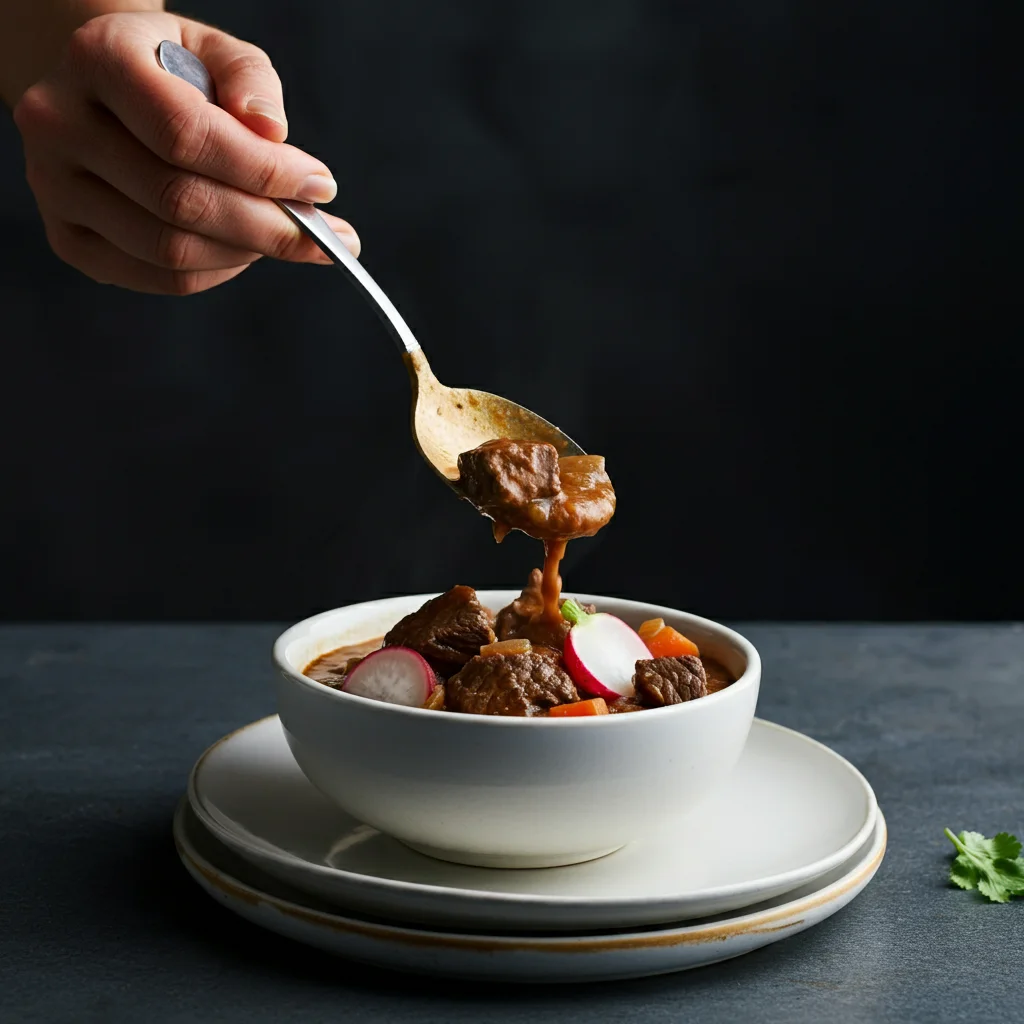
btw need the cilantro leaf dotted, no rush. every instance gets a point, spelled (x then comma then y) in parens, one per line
(963, 873)
(992, 866)
(1004, 845)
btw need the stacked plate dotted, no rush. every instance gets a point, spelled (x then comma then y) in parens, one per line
(795, 835)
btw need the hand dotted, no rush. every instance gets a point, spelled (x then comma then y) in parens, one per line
(143, 183)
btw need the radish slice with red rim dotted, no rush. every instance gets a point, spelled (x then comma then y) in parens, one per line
(601, 653)
(394, 675)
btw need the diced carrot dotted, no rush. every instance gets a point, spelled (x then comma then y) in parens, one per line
(664, 641)
(581, 709)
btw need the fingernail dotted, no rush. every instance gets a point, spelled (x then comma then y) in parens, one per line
(318, 188)
(266, 108)
(350, 240)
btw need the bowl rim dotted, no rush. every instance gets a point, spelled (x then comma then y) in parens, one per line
(750, 676)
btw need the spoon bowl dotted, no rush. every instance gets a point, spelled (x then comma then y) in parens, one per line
(449, 421)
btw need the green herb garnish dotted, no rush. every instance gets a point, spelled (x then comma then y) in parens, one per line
(992, 866)
(573, 612)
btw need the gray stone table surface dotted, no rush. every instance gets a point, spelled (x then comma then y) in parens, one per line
(99, 922)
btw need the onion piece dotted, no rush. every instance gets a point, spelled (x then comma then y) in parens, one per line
(505, 648)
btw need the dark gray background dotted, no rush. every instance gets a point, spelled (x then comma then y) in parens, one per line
(757, 254)
(100, 725)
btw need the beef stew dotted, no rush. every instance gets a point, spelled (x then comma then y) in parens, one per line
(523, 676)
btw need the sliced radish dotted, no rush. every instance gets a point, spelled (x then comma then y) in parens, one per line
(395, 675)
(601, 652)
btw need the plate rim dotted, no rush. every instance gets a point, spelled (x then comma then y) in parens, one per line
(781, 882)
(736, 926)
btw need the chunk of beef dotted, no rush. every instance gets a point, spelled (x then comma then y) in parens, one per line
(663, 681)
(524, 485)
(448, 630)
(520, 684)
(523, 618)
(502, 476)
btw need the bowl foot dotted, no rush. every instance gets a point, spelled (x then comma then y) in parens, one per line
(509, 861)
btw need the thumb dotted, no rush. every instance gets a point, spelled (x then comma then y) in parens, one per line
(247, 84)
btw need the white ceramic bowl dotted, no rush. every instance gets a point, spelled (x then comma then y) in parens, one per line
(511, 792)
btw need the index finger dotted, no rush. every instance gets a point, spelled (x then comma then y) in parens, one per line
(173, 119)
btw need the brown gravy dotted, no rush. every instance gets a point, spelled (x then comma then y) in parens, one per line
(330, 668)
(524, 485)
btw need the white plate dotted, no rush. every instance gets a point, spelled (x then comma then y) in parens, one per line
(539, 958)
(791, 811)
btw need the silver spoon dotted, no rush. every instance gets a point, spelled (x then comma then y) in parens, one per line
(445, 421)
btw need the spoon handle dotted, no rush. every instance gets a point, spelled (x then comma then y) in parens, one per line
(186, 65)
(310, 221)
